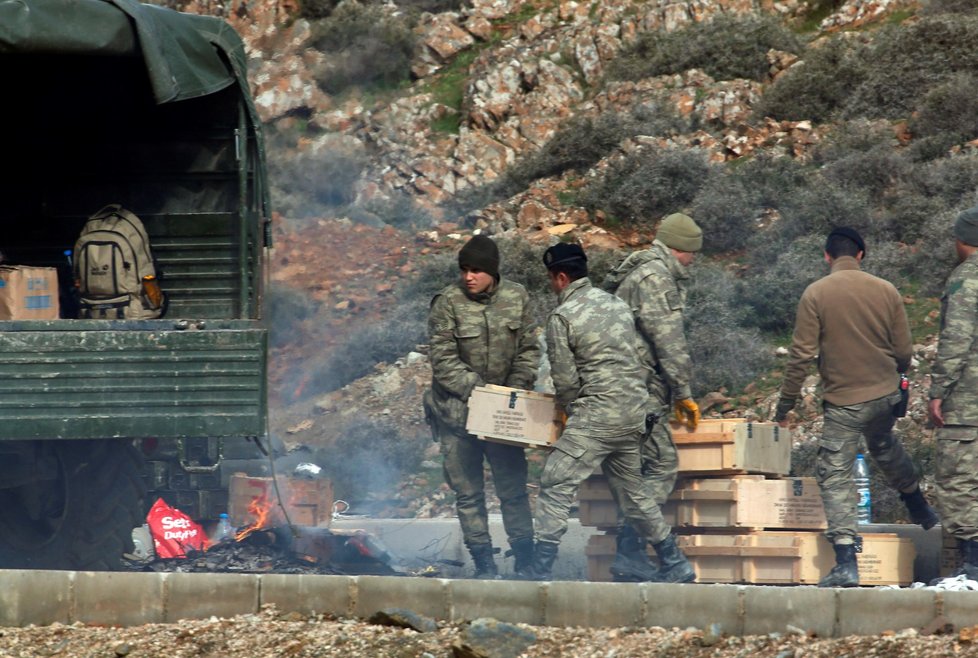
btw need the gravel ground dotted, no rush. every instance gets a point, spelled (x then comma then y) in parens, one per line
(270, 634)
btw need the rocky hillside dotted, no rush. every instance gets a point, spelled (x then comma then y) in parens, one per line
(546, 120)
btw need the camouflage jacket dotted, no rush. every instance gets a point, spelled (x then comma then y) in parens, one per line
(594, 361)
(954, 378)
(653, 283)
(486, 339)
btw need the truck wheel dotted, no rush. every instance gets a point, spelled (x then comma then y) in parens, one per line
(83, 519)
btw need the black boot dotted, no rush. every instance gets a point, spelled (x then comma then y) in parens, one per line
(920, 512)
(632, 564)
(968, 548)
(673, 565)
(485, 564)
(541, 568)
(522, 552)
(845, 573)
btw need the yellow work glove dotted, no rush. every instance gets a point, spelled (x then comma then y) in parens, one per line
(686, 411)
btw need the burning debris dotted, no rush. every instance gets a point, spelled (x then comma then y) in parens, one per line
(268, 544)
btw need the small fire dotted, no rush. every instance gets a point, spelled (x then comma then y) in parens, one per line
(261, 508)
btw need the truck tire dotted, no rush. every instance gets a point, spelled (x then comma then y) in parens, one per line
(83, 520)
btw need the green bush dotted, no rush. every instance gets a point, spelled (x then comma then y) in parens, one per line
(935, 7)
(579, 145)
(934, 257)
(769, 294)
(367, 46)
(727, 46)
(313, 10)
(312, 184)
(817, 88)
(648, 184)
(724, 353)
(863, 155)
(290, 309)
(948, 114)
(906, 62)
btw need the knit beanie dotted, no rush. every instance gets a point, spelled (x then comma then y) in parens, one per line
(966, 227)
(480, 253)
(680, 232)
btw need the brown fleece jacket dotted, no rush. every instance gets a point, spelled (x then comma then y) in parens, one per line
(855, 325)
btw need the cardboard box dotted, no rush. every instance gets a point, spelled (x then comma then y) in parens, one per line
(29, 293)
(731, 446)
(773, 558)
(513, 416)
(740, 502)
(308, 502)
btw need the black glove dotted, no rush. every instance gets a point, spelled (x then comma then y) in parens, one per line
(784, 406)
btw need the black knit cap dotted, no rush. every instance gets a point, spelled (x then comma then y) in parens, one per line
(480, 253)
(563, 252)
(847, 232)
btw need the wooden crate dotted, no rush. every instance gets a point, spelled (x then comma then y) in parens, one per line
(308, 502)
(746, 502)
(513, 416)
(731, 446)
(773, 558)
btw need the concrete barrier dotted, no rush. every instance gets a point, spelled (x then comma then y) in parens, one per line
(126, 599)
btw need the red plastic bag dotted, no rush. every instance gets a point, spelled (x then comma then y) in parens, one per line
(174, 533)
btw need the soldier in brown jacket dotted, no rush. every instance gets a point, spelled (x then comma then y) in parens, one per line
(855, 325)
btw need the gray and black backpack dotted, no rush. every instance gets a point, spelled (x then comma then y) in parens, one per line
(114, 268)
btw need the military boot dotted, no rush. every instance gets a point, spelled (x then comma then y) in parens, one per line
(845, 573)
(522, 552)
(968, 548)
(920, 512)
(485, 564)
(673, 565)
(541, 568)
(632, 564)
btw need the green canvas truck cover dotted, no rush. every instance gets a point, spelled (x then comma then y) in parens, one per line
(186, 56)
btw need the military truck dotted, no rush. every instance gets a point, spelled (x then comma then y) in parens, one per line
(113, 101)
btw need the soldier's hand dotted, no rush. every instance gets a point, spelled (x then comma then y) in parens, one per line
(687, 411)
(781, 411)
(936, 413)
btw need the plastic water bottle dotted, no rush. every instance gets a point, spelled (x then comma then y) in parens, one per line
(223, 531)
(860, 474)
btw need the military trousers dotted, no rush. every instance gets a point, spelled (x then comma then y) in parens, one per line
(660, 462)
(576, 456)
(957, 480)
(842, 435)
(464, 458)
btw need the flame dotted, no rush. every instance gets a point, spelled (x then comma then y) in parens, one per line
(260, 507)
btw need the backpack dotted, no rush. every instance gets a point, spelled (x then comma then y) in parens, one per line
(114, 269)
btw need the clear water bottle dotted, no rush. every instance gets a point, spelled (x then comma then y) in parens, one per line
(860, 474)
(223, 530)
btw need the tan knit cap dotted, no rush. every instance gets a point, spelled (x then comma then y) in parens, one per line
(678, 231)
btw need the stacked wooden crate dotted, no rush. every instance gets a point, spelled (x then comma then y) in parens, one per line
(739, 518)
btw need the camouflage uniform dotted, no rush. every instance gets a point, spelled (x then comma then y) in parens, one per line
(653, 283)
(600, 383)
(488, 338)
(955, 382)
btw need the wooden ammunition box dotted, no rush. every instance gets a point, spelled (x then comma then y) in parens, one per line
(513, 416)
(731, 446)
(772, 558)
(307, 502)
(744, 502)
(950, 558)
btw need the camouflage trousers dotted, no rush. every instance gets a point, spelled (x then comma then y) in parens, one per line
(845, 427)
(660, 463)
(957, 480)
(575, 457)
(464, 457)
